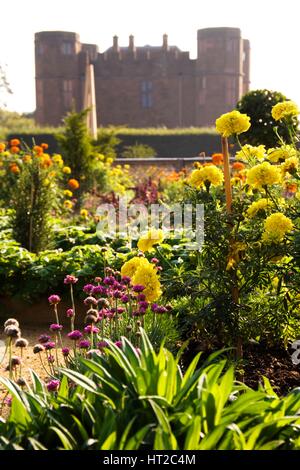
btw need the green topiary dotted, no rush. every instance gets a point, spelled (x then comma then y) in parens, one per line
(258, 105)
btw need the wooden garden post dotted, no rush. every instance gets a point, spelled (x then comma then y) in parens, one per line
(228, 195)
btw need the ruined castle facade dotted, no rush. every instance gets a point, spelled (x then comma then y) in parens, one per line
(142, 86)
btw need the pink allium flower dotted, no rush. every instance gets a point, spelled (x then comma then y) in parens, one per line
(44, 338)
(90, 301)
(75, 335)
(53, 385)
(84, 344)
(88, 288)
(120, 310)
(119, 344)
(125, 298)
(99, 290)
(141, 297)
(154, 260)
(138, 288)
(70, 279)
(54, 299)
(109, 280)
(51, 359)
(70, 313)
(91, 329)
(102, 344)
(65, 351)
(125, 280)
(56, 327)
(50, 345)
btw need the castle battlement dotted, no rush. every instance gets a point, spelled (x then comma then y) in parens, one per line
(143, 86)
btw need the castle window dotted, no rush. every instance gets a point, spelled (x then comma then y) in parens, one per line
(67, 92)
(67, 48)
(40, 49)
(147, 101)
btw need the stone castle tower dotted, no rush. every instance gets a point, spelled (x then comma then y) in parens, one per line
(142, 86)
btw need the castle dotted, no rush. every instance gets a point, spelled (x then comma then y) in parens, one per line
(142, 86)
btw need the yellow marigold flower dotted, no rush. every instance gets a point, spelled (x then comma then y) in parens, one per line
(276, 227)
(46, 182)
(127, 167)
(146, 275)
(284, 110)
(290, 165)
(2, 147)
(68, 193)
(263, 174)
(67, 170)
(151, 238)
(84, 213)
(52, 174)
(206, 175)
(281, 153)
(27, 159)
(258, 206)
(249, 152)
(232, 123)
(68, 204)
(129, 268)
(57, 158)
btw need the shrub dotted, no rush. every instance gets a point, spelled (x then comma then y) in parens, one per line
(138, 151)
(258, 104)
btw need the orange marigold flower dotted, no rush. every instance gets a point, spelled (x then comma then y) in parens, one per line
(73, 184)
(44, 146)
(38, 149)
(238, 166)
(217, 158)
(291, 187)
(14, 142)
(14, 149)
(2, 147)
(14, 168)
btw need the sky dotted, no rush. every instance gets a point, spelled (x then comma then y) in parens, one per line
(272, 26)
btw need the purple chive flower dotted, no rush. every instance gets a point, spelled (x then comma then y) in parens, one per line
(44, 339)
(49, 345)
(154, 260)
(53, 385)
(70, 279)
(75, 335)
(117, 294)
(125, 280)
(70, 313)
(90, 301)
(125, 298)
(138, 288)
(102, 344)
(54, 299)
(88, 288)
(118, 286)
(161, 309)
(91, 329)
(51, 359)
(84, 344)
(143, 304)
(154, 307)
(119, 344)
(141, 297)
(99, 290)
(136, 313)
(109, 280)
(56, 327)
(65, 351)
(8, 400)
(120, 310)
